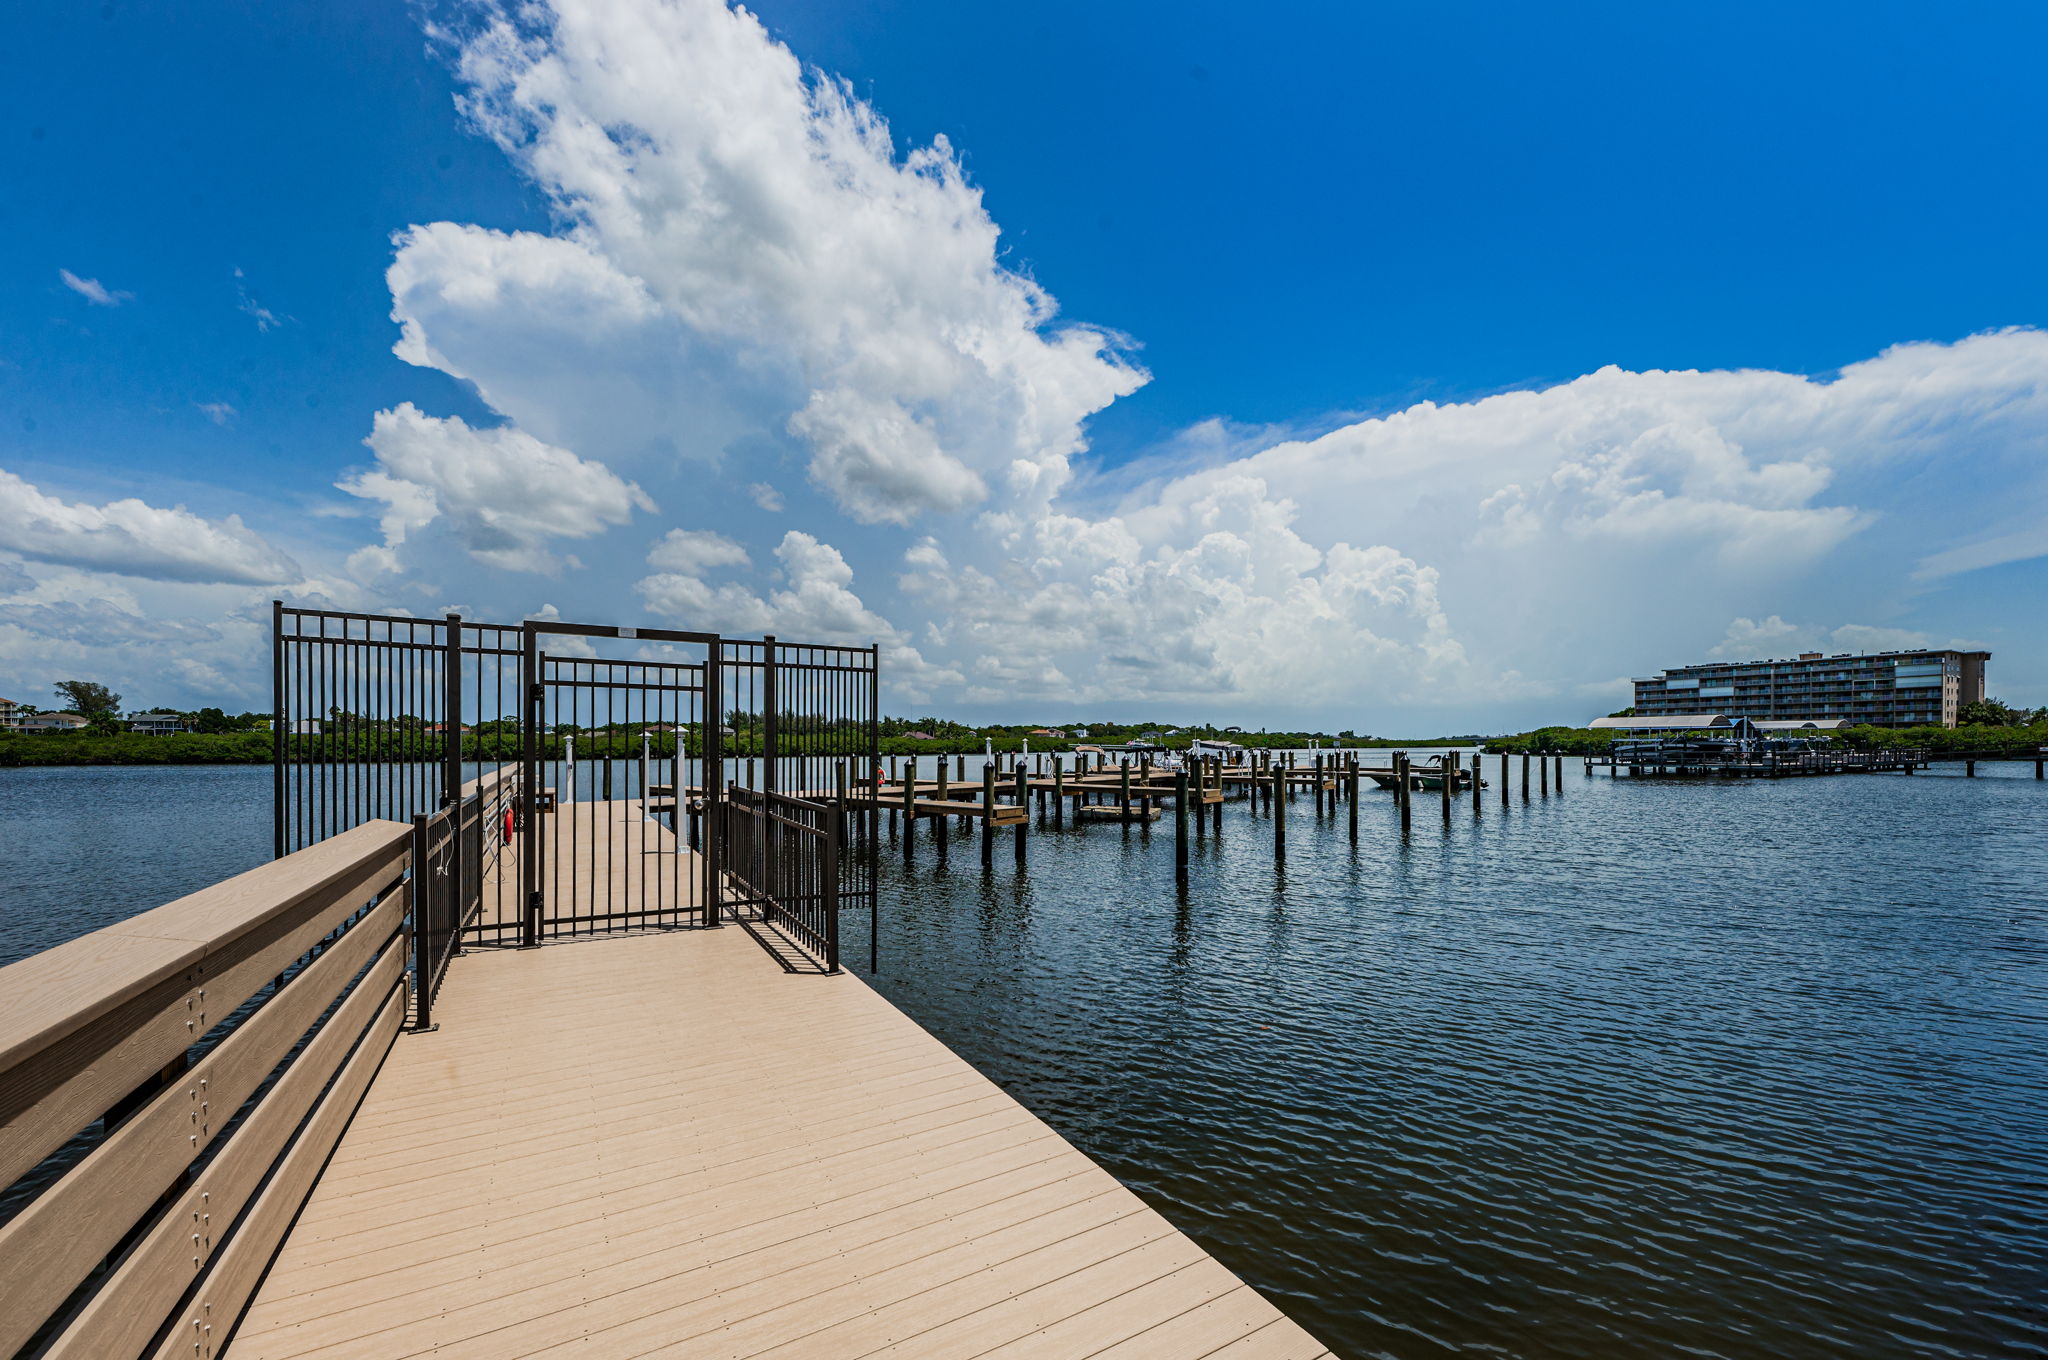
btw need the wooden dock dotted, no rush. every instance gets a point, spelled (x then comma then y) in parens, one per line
(654, 1142)
(665, 1144)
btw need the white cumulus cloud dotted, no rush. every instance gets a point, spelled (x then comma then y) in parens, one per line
(504, 493)
(748, 273)
(130, 537)
(732, 209)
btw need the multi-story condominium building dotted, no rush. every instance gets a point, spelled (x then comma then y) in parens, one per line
(10, 715)
(1885, 689)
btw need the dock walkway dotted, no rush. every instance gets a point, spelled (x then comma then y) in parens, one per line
(664, 1144)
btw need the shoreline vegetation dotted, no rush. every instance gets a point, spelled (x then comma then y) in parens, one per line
(622, 741)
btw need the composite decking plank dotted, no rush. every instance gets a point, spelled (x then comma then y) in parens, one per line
(812, 1300)
(1082, 1312)
(739, 1247)
(662, 1143)
(1214, 1322)
(689, 1190)
(929, 1299)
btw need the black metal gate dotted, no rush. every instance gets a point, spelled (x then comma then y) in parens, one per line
(612, 746)
(571, 779)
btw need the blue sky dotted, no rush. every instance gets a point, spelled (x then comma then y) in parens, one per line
(742, 366)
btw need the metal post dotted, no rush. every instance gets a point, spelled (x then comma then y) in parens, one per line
(421, 938)
(829, 889)
(771, 723)
(279, 721)
(529, 787)
(451, 714)
(711, 763)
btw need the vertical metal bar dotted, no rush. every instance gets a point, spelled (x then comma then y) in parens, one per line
(421, 937)
(529, 792)
(277, 723)
(711, 760)
(770, 721)
(829, 891)
(451, 713)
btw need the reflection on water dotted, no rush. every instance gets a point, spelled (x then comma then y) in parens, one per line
(1639, 1070)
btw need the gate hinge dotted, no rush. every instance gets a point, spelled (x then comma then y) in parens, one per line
(539, 691)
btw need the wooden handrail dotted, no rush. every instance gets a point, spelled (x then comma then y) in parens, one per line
(60, 990)
(87, 1022)
(109, 1021)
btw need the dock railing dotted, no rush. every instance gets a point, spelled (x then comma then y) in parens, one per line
(170, 1088)
(455, 853)
(782, 858)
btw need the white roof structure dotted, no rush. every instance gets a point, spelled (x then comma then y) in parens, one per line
(1803, 725)
(1669, 722)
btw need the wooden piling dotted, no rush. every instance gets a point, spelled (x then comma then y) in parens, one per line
(1279, 816)
(1478, 773)
(939, 823)
(1505, 782)
(1059, 791)
(988, 815)
(1970, 769)
(1405, 793)
(1351, 792)
(1525, 776)
(1024, 802)
(909, 804)
(1447, 768)
(1543, 774)
(1180, 819)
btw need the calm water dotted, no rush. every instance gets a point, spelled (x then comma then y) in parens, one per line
(1639, 1070)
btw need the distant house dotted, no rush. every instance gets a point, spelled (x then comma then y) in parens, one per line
(1055, 733)
(918, 736)
(441, 729)
(52, 722)
(1148, 736)
(158, 722)
(660, 729)
(10, 715)
(1078, 733)
(306, 727)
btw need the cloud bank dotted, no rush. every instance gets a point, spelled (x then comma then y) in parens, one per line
(772, 372)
